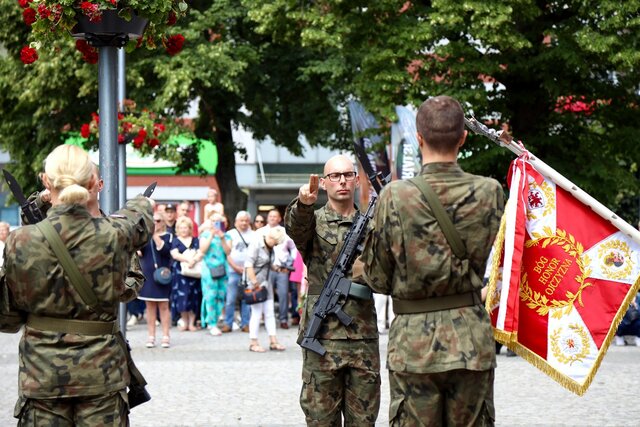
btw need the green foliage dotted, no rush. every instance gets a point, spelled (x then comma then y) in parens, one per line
(286, 68)
(510, 60)
(234, 74)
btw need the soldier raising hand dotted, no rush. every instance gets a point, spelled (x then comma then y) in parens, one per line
(308, 193)
(351, 365)
(85, 373)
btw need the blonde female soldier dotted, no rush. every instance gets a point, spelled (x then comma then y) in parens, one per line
(73, 370)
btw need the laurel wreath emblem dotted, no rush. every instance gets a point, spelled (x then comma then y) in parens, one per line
(567, 357)
(539, 302)
(612, 272)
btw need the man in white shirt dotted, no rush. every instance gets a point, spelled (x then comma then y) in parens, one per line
(240, 237)
(283, 256)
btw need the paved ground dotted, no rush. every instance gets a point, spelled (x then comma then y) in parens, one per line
(215, 381)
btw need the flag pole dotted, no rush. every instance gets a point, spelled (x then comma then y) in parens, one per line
(505, 140)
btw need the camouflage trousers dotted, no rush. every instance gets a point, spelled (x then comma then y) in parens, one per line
(345, 382)
(91, 411)
(454, 398)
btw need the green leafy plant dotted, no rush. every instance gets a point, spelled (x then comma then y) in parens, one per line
(146, 131)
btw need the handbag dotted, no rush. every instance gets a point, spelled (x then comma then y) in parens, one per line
(161, 275)
(218, 271)
(194, 272)
(254, 296)
(260, 293)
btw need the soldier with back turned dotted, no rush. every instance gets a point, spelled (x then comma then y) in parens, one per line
(73, 366)
(441, 355)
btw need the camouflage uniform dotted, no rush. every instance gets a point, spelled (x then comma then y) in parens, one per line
(135, 277)
(347, 378)
(439, 353)
(63, 375)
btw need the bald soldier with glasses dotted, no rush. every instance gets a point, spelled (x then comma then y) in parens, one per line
(343, 386)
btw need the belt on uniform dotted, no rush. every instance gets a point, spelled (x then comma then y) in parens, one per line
(279, 269)
(447, 302)
(356, 290)
(72, 326)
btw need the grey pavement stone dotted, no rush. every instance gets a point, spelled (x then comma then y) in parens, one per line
(215, 381)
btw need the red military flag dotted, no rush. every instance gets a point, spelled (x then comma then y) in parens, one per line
(564, 269)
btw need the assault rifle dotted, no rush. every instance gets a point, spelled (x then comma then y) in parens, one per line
(30, 210)
(337, 287)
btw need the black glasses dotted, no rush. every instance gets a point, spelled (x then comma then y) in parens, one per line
(336, 176)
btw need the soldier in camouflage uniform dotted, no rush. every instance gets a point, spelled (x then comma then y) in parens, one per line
(346, 380)
(441, 359)
(71, 377)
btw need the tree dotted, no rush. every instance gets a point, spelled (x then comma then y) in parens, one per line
(236, 75)
(518, 62)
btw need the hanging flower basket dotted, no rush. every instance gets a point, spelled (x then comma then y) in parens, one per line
(101, 23)
(110, 26)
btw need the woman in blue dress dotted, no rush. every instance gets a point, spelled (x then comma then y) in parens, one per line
(186, 292)
(156, 295)
(214, 247)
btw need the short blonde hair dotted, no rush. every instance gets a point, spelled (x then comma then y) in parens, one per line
(69, 171)
(185, 220)
(277, 234)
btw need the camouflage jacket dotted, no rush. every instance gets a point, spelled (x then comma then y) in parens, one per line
(54, 364)
(318, 236)
(408, 257)
(135, 277)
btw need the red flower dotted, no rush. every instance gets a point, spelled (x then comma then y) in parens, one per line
(92, 11)
(153, 142)
(29, 16)
(85, 130)
(114, 2)
(28, 55)
(121, 139)
(138, 141)
(126, 127)
(142, 133)
(172, 18)
(43, 11)
(56, 9)
(95, 117)
(158, 128)
(89, 53)
(24, 3)
(120, 116)
(174, 44)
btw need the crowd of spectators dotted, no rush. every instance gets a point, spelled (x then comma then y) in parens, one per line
(210, 265)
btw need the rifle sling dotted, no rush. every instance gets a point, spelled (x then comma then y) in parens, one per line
(449, 230)
(70, 267)
(446, 302)
(88, 297)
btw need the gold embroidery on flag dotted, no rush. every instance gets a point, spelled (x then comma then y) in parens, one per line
(540, 196)
(615, 259)
(552, 273)
(570, 345)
